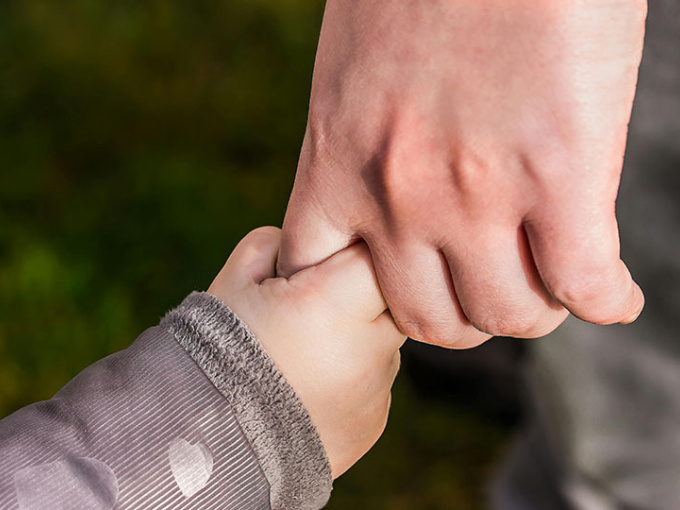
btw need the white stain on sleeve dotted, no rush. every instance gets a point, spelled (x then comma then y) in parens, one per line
(74, 483)
(191, 465)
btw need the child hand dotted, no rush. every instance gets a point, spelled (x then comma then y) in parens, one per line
(328, 330)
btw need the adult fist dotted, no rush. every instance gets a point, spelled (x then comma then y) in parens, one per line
(477, 148)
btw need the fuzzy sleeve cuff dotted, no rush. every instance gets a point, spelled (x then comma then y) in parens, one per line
(272, 417)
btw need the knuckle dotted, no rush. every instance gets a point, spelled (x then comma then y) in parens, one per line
(514, 322)
(548, 325)
(586, 290)
(597, 296)
(576, 292)
(472, 339)
(410, 328)
(440, 333)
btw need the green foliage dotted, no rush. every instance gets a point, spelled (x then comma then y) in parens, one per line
(139, 141)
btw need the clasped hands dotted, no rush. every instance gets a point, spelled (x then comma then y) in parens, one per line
(469, 155)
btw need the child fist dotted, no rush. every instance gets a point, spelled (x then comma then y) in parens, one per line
(328, 330)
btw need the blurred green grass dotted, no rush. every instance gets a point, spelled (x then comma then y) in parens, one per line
(139, 141)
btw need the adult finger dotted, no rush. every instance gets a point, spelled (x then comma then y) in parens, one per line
(499, 288)
(308, 237)
(417, 286)
(577, 254)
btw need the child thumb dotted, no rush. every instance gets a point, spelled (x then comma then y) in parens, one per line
(254, 258)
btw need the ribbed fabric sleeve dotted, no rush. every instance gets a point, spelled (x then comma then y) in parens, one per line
(193, 415)
(141, 429)
(273, 419)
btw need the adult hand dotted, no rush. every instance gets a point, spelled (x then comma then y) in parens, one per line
(477, 148)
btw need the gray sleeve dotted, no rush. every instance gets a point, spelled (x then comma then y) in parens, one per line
(193, 415)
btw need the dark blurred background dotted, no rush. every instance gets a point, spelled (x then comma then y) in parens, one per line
(139, 141)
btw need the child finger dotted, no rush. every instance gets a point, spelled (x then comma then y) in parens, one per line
(347, 279)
